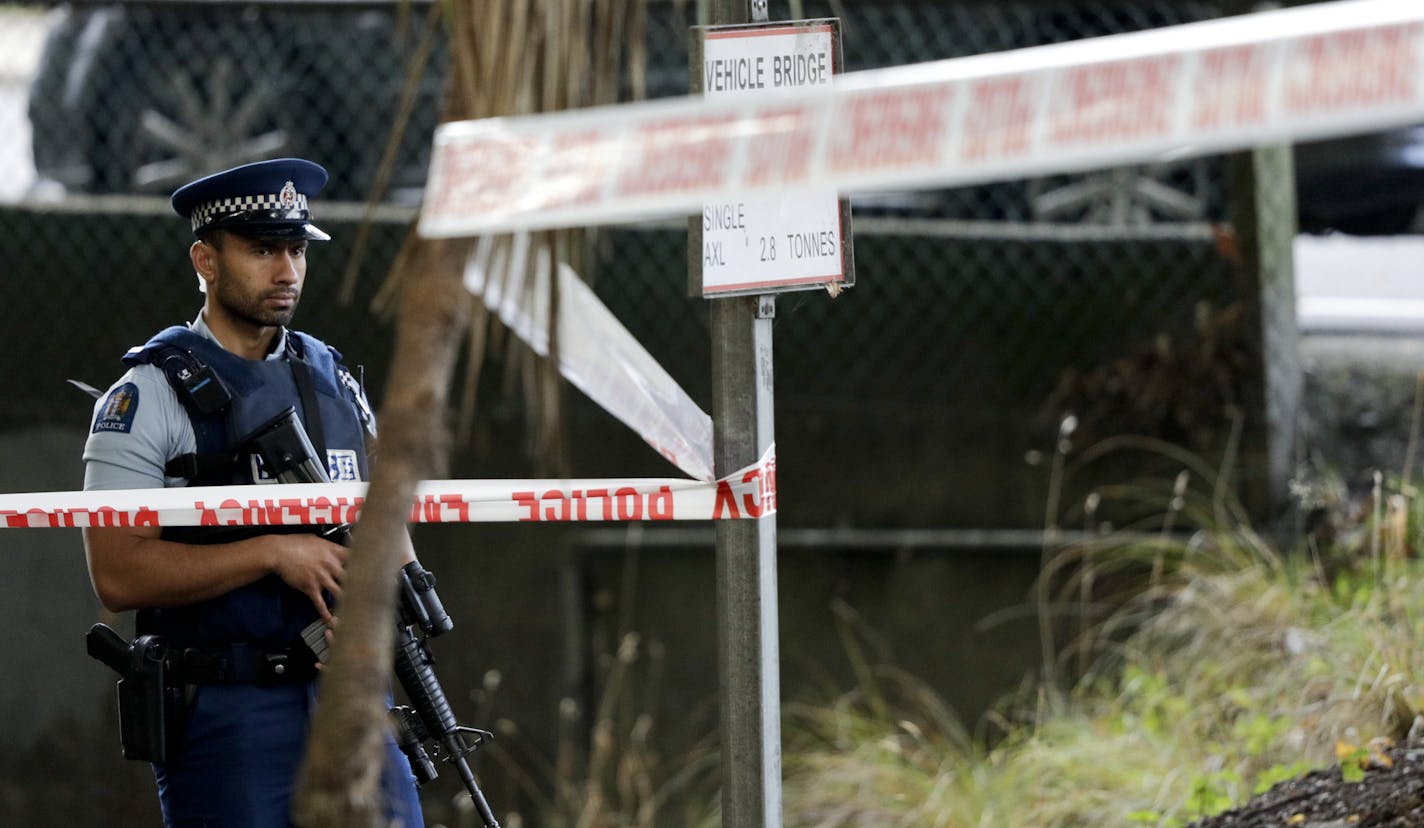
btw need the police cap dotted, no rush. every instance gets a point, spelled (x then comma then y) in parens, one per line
(267, 199)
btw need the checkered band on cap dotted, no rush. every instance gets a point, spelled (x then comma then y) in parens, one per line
(287, 202)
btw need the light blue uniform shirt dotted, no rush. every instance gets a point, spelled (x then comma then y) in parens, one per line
(153, 429)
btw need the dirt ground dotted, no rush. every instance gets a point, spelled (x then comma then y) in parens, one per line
(1391, 795)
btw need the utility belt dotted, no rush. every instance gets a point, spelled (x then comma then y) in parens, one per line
(241, 664)
(156, 679)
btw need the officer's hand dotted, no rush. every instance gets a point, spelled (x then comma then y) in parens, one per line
(310, 564)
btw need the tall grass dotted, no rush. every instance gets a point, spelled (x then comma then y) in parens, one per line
(1216, 665)
(607, 770)
(1202, 663)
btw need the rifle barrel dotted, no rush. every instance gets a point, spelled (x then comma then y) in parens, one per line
(455, 753)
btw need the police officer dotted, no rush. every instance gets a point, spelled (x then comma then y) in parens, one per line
(233, 603)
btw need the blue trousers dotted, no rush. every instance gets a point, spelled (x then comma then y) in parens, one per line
(242, 748)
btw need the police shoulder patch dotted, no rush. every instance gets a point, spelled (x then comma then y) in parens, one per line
(117, 412)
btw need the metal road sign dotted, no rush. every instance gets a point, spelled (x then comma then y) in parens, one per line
(768, 245)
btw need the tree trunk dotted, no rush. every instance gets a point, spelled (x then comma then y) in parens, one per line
(339, 786)
(505, 58)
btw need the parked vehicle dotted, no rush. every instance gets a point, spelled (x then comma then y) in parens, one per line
(138, 97)
(1363, 185)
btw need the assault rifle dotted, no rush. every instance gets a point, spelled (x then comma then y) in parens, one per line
(287, 454)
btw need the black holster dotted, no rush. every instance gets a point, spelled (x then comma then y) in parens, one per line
(151, 710)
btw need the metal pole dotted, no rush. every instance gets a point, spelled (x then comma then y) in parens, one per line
(748, 654)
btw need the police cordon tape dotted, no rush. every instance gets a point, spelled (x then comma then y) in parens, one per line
(747, 493)
(1327, 69)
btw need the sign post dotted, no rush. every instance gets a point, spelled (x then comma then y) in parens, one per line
(740, 253)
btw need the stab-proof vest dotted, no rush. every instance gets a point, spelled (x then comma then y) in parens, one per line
(329, 403)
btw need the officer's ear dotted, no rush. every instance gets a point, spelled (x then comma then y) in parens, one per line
(203, 254)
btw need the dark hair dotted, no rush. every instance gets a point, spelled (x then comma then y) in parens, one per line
(212, 236)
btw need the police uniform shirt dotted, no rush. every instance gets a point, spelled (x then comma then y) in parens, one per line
(139, 425)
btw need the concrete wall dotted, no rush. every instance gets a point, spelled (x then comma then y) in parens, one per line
(538, 604)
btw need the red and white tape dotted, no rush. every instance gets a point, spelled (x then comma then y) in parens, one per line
(748, 493)
(1315, 71)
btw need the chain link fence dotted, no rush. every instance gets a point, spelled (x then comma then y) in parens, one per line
(1148, 300)
(980, 315)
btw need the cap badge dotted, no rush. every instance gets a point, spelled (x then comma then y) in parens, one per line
(288, 196)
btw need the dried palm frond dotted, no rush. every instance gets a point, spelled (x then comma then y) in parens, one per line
(507, 58)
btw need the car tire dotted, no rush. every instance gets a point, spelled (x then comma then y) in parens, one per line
(174, 115)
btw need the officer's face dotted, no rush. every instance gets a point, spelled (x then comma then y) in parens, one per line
(258, 281)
